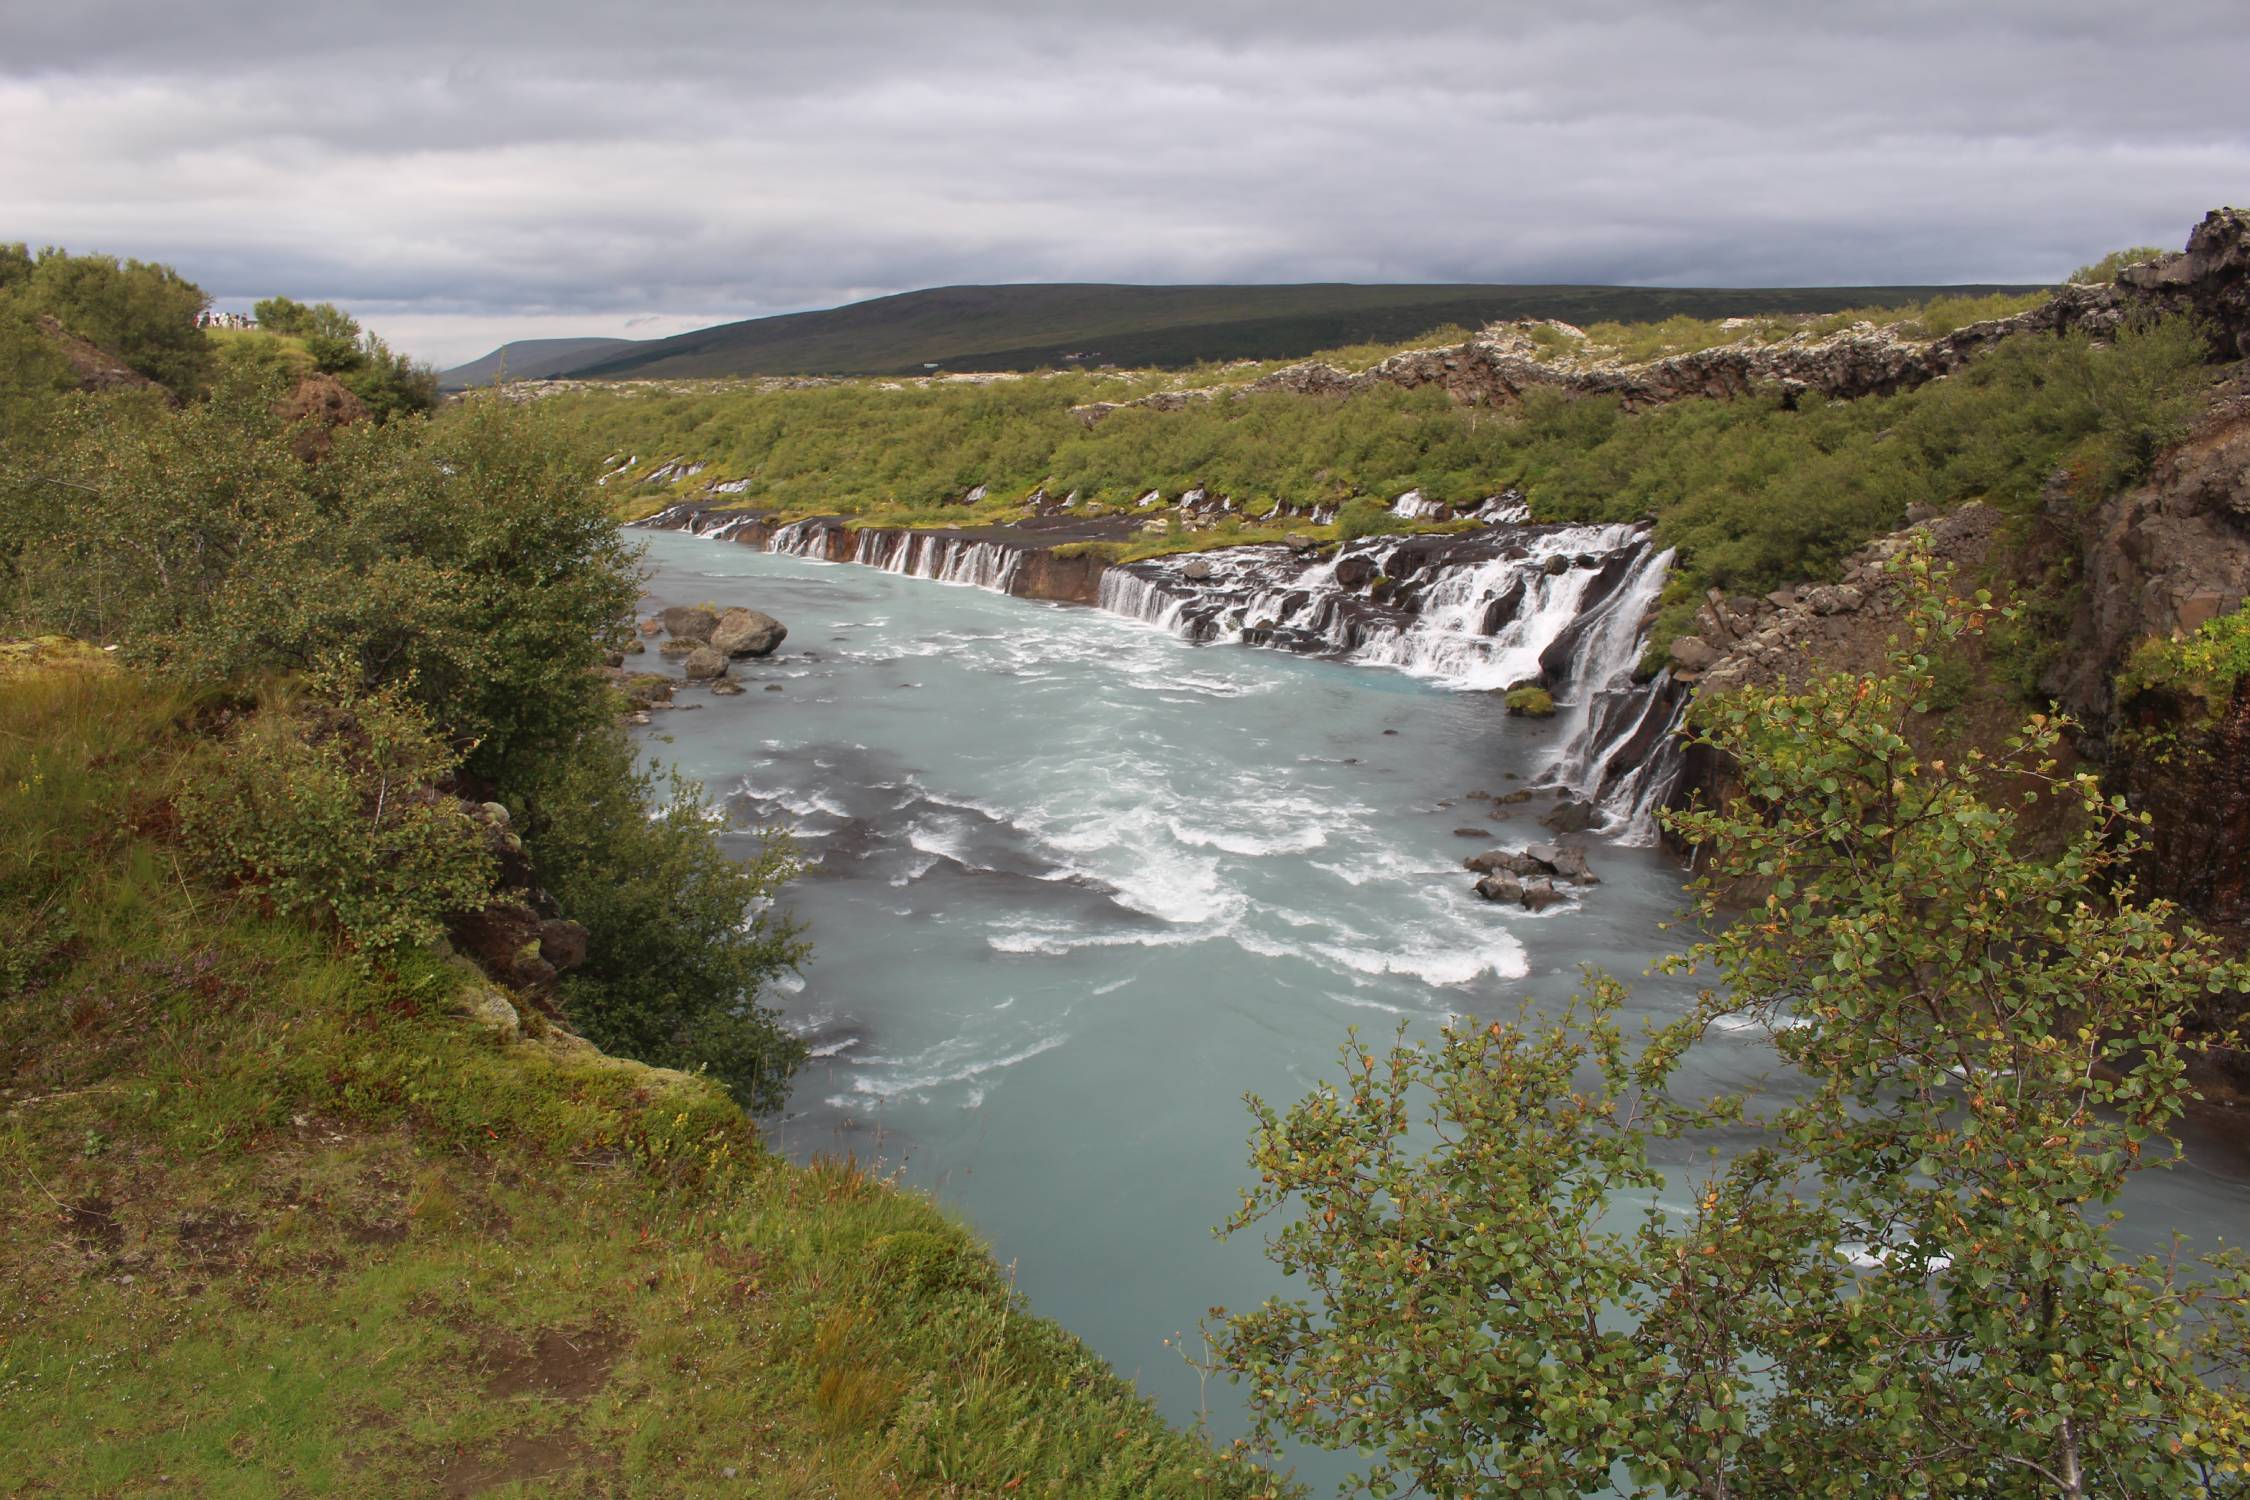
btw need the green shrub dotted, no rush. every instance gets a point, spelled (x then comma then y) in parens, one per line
(919, 1263)
(327, 807)
(681, 935)
(1361, 518)
(1516, 1280)
(2204, 668)
(466, 570)
(142, 313)
(2105, 270)
(1530, 701)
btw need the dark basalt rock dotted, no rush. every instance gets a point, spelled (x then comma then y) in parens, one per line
(1572, 816)
(1538, 895)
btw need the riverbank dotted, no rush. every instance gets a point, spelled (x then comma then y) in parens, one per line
(281, 1223)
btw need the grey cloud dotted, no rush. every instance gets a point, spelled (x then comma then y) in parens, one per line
(469, 168)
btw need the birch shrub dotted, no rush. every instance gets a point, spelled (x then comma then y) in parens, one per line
(326, 807)
(1907, 1283)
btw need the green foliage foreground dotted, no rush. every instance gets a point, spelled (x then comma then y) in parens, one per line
(452, 585)
(1906, 1285)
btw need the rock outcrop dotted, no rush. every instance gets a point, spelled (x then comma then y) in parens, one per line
(2159, 560)
(314, 410)
(1791, 633)
(517, 939)
(92, 367)
(2210, 279)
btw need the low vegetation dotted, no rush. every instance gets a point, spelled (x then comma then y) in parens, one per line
(1755, 493)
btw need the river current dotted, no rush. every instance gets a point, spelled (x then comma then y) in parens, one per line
(1075, 886)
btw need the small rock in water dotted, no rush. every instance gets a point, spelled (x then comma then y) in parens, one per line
(1472, 833)
(1390, 731)
(727, 687)
(1500, 887)
(1538, 895)
(773, 687)
(1570, 863)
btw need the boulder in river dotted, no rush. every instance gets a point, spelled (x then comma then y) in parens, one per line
(1571, 815)
(747, 632)
(690, 622)
(704, 664)
(1570, 863)
(1504, 861)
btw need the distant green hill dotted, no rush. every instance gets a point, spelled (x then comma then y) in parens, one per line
(529, 359)
(1039, 325)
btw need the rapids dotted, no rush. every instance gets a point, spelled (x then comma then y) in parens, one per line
(1076, 884)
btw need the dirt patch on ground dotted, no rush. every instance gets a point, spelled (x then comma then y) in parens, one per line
(539, 1460)
(375, 1231)
(570, 1363)
(213, 1236)
(94, 1224)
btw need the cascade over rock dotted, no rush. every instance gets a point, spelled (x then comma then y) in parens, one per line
(1565, 607)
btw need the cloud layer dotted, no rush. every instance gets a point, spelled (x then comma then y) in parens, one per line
(465, 173)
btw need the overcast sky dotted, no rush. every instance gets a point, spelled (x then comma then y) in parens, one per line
(464, 171)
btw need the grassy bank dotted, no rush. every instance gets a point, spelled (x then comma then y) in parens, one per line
(279, 1224)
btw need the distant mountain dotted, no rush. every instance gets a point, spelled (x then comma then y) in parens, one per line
(1040, 325)
(529, 359)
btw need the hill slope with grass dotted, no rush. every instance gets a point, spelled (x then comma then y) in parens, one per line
(281, 1222)
(1053, 325)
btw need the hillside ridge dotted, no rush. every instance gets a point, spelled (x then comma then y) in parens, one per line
(1036, 325)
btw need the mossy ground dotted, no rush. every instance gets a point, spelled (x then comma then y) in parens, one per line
(276, 1224)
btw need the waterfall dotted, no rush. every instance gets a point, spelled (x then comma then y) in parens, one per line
(1618, 751)
(1512, 602)
(1564, 606)
(942, 556)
